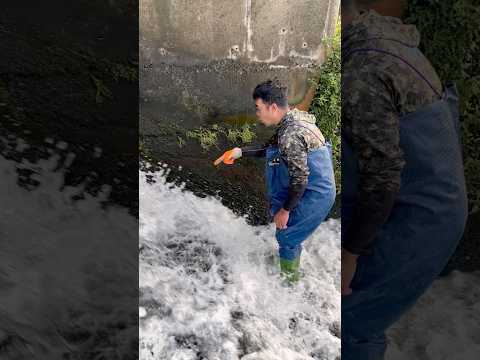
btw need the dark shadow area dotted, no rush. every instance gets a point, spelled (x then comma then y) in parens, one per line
(69, 164)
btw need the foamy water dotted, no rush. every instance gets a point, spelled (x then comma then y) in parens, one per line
(210, 288)
(58, 275)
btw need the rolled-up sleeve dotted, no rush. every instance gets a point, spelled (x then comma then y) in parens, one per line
(371, 122)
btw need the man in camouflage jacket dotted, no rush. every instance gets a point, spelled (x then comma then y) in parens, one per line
(301, 150)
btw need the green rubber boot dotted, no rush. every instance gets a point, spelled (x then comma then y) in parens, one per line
(290, 269)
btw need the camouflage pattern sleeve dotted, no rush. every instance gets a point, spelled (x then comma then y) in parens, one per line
(293, 150)
(384, 76)
(371, 122)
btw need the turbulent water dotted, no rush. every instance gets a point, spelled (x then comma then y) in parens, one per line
(210, 288)
(63, 293)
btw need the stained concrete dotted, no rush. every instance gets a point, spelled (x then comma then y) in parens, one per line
(248, 30)
(206, 56)
(210, 92)
(286, 29)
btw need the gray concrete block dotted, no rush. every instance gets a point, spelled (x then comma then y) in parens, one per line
(204, 57)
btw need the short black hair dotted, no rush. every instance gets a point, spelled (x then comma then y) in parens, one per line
(272, 92)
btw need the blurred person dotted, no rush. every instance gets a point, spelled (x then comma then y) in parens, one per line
(404, 204)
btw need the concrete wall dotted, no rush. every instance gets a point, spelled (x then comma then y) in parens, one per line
(201, 58)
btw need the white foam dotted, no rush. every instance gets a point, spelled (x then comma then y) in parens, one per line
(42, 231)
(209, 286)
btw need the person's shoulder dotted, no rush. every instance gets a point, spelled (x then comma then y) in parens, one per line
(300, 126)
(289, 131)
(302, 116)
(367, 67)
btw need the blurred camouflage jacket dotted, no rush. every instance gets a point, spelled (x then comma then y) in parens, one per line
(295, 136)
(384, 76)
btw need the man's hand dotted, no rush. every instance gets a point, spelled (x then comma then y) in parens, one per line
(349, 267)
(229, 156)
(281, 218)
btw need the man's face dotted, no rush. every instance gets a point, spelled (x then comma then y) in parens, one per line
(266, 114)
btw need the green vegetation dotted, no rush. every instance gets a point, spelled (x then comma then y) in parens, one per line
(206, 137)
(180, 141)
(450, 33)
(326, 104)
(244, 134)
(216, 135)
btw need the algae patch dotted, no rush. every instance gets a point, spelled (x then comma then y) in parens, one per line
(244, 134)
(206, 137)
(211, 136)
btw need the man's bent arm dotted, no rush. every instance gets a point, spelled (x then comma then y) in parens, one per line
(294, 153)
(372, 124)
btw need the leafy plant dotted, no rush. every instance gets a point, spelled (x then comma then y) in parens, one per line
(180, 142)
(244, 134)
(326, 105)
(206, 137)
(450, 33)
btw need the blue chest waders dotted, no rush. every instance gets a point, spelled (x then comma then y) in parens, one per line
(313, 207)
(425, 225)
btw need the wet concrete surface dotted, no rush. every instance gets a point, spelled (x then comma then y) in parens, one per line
(70, 93)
